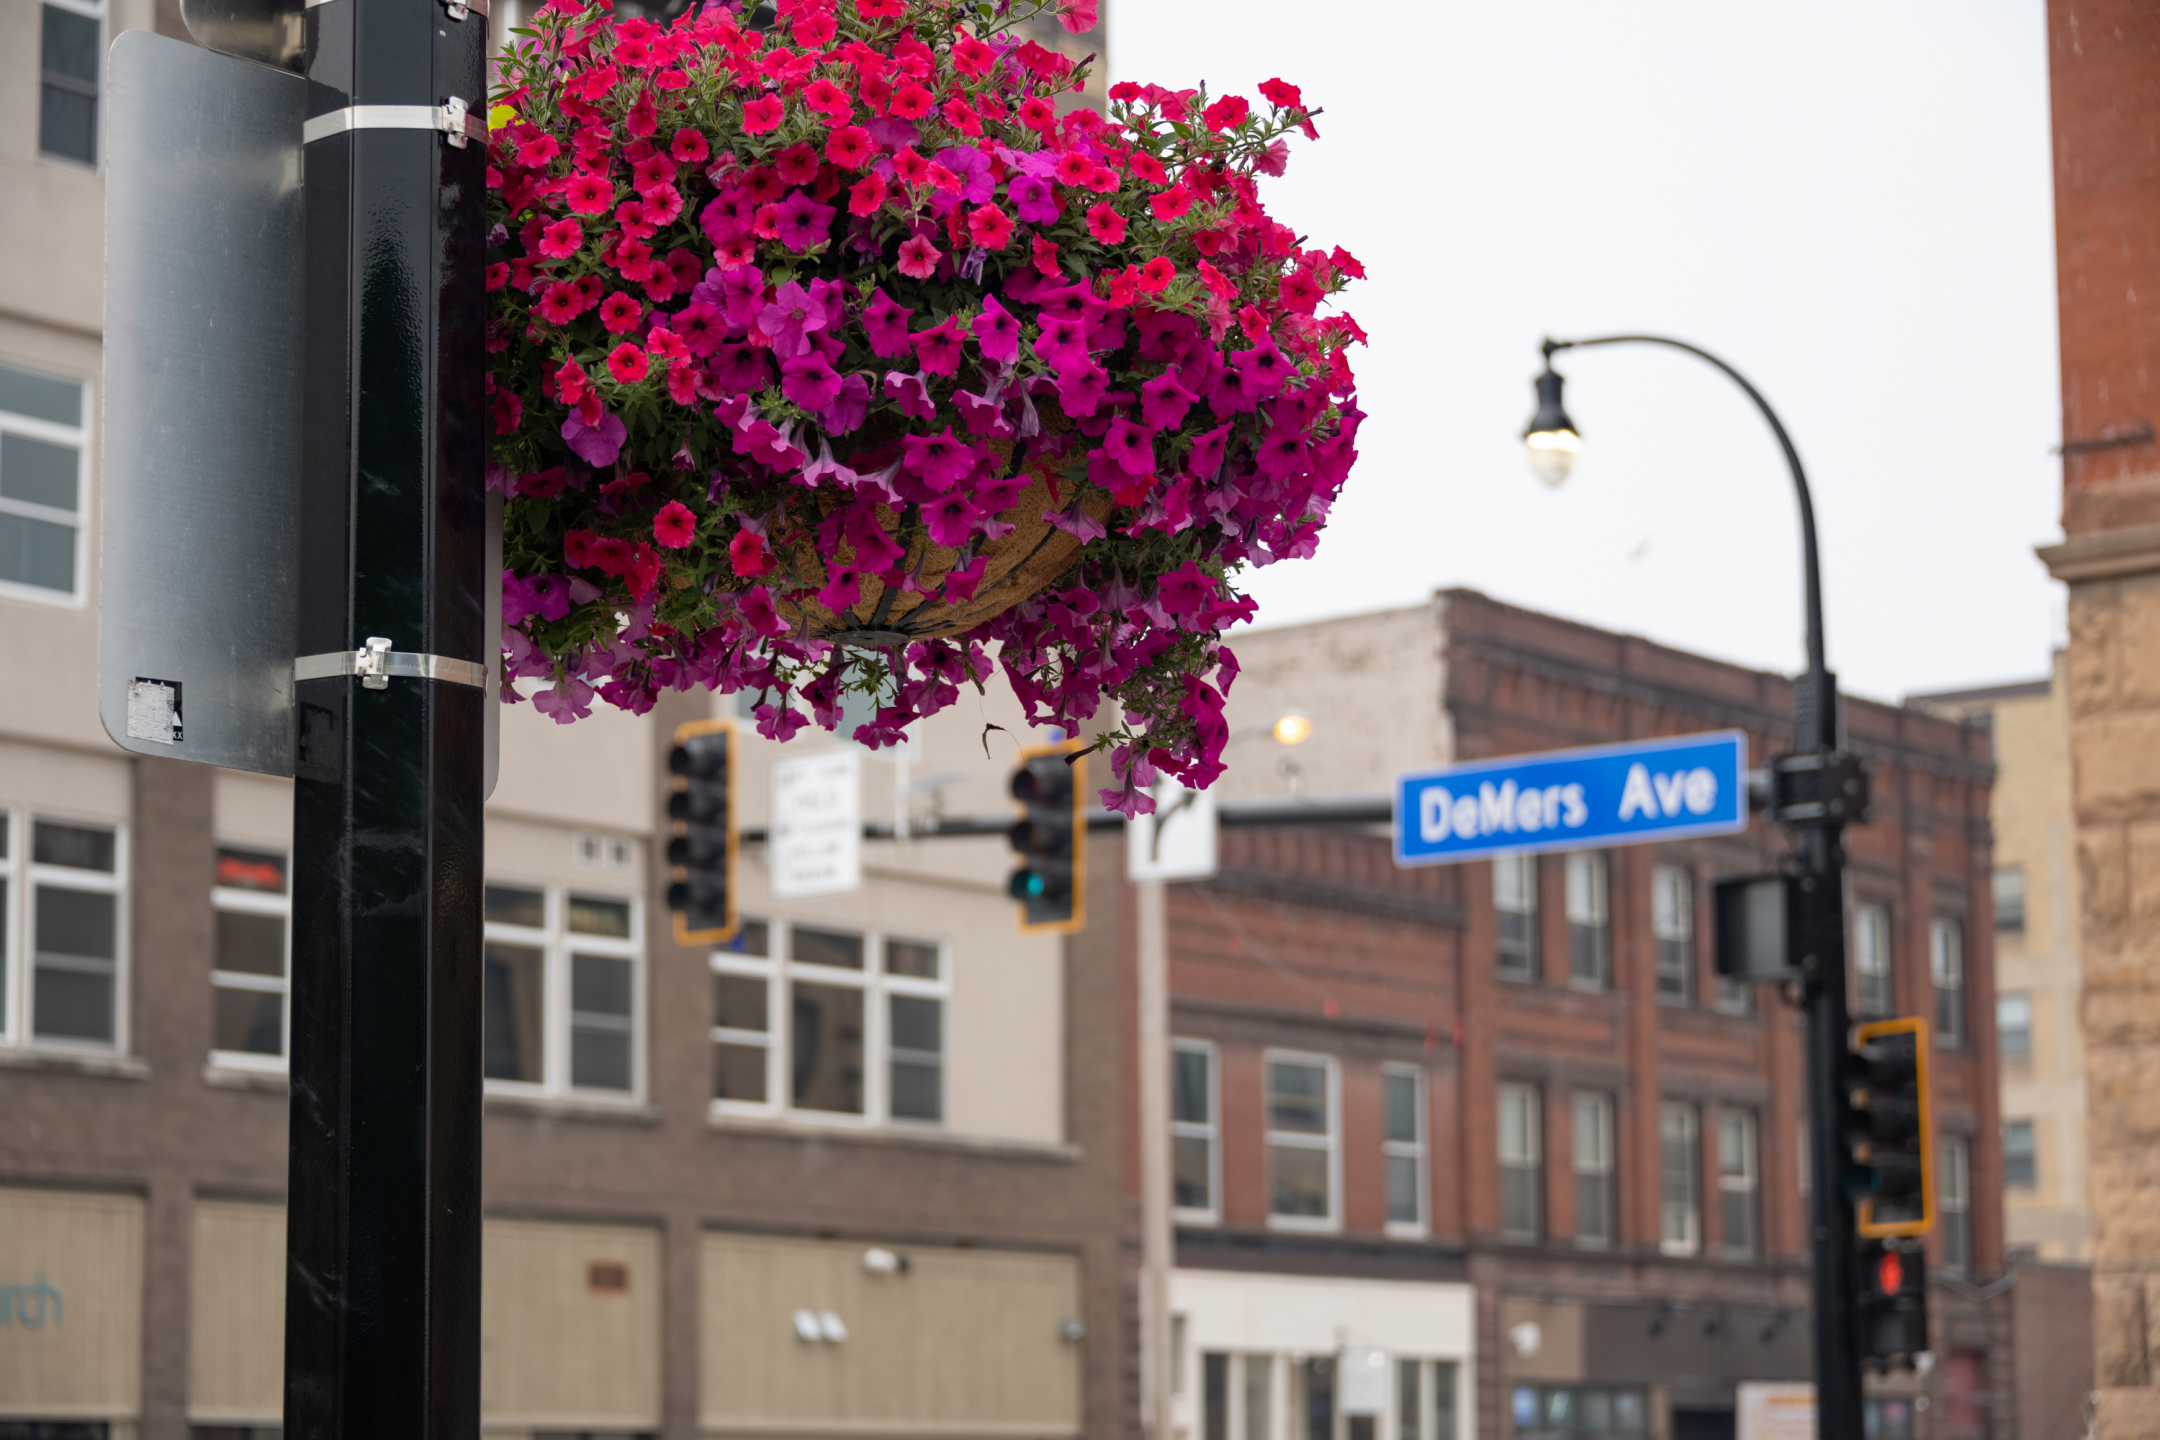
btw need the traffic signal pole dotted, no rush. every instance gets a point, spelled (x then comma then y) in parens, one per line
(1817, 823)
(383, 1250)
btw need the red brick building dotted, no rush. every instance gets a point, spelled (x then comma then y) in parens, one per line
(1520, 1085)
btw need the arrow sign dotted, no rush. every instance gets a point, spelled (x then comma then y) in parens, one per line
(1624, 794)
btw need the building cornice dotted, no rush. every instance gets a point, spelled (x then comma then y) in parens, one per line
(2105, 554)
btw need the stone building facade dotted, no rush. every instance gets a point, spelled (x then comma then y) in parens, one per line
(1523, 1076)
(2104, 74)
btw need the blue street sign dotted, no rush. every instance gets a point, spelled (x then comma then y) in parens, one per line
(1572, 799)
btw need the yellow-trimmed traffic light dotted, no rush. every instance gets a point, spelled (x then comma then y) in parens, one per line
(1893, 1302)
(701, 829)
(1891, 1131)
(1051, 838)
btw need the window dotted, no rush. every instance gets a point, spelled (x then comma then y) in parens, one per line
(829, 1025)
(1522, 1163)
(1259, 1398)
(1739, 1214)
(2010, 898)
(1589, 931)
(1875, 996)
(2013, 1025)
(1301, 1142)
(247, 996)
(1679, 1180)
(1596, 1224)
(561, 998)
(1192, 1129)
(42, 441)
(1403, 1150)
(1946, 967)
(1953, 1202)
(1515, 916)
(1672, 923)
(1564, 1412)
(60, 897)
(1425, 1400)
(71, 41)
(2021, 1161)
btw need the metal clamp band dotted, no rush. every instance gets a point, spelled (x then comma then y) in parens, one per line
(451, 117)
(377, 662)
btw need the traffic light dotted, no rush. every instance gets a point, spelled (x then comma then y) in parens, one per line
(701, 829)
(1893, 1301)
(1051, 883)
(1890, 1130)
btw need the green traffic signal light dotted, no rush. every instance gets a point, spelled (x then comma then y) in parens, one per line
(701, 847)
(1050, 785)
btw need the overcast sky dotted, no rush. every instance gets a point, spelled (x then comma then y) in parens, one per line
(1850, 202)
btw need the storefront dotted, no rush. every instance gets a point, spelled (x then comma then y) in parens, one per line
(1296, 1357)
(71, 1271)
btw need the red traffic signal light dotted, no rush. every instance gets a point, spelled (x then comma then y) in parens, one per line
(1890, 1273)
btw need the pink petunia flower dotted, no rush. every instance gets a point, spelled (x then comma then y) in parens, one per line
(1186, 591)
(627, 364)
(748, 556)
(850, 147)
(674, 527)
(996, 332)
(1132, 446)
(951, 519)
(918, 258)
(1105, 224)
(809, 381)
(802, 222)
(791, 318)
(941, 459)
(886, 324)
(689, 145)
(866, 195)
(589, 194)
(561, 240)
(939, 348)
(989, 227)
(619, 314)
(1156, 275)
(763, 114)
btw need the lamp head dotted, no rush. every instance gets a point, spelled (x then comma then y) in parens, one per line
(1291, 728)
(1552, 437)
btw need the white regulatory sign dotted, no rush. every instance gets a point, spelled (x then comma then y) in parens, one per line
(816, 840)
(1177, 842)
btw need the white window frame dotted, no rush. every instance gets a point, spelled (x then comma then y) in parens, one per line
(2031, 1127)
(1689, 1242)
(1946, 975)
(54, 433)
(556, 941)
(1874, 950)
(1672, 922)
(1209, 1130)
(1587, 900)
(255, 902)
(779, 970)
(1414, 1150)
(95, 9)
(1526, 868)
(2005, 1002)
(1748, 1181)
(17, 974)
(1953, 1196)
(1600, 1104)
(1533, 1158)
(1330, 1142)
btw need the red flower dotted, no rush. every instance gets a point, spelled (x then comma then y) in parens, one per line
(797, 164)
(1282, 95)
(828, 100)
(1125, 91)
(1157, 274)
(1038, 114)
(1225, 113)
(619, 314)
(746, 552)
(590, 194)
(674, 527)
(1299, 291)
(559, 304)
(537, 149)
(1073, 169)
(498, 275)
(866, 195)
(665, 344)
(918, 258)
(1046, 259)
(1171, 203)
(910, 166)
(814, 28)
(963, 117)
(627, 364)
(1105, 224)
(971, 57)
(850, 147)
(989, 227)
(1346, 263)
(762, 114)
(560, 240)
(689, 146)
(911, 102)
(881, 9)
(1148, 168)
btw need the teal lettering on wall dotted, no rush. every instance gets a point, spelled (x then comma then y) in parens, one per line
(30, 1306)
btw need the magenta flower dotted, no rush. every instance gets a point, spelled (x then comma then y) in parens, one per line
(1205, 458)
(848, 407)
(886, 323)
(913, 396)
(809, 381)
(791, 318)
(560, 240)
(701, 326)
(939, 348)
(996, 332)
(1032, 199)
(918, 258)
(843, 586)
(875, 551)
(1282, 455)
(597, 445)
(1185, 592)
(742, 295)
(1262, 370)
(950, 519)
(1132, 446)
(571, 699)
(1163, 401)
(1081, 388)
(982, 415)
(803, 222)
(674, 527)
(941, 460)
(756, 610)
(740, 367)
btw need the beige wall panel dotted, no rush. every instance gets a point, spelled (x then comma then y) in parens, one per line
(595, 774)
(253, 809)
(557, 1353)
(68, 783)
(236, 1313)
(526, 850)
(965, 1342)
(71, 1276)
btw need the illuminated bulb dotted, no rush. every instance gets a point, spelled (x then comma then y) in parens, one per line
(1552, 453)
(1292, 729)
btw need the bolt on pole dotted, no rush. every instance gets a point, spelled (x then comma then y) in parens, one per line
(383, 1250)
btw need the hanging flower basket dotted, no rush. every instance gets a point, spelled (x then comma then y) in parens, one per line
(828, 356)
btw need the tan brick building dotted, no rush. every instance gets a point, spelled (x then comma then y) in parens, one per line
(2104, 71)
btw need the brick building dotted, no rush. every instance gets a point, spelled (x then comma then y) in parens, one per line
(2104, 81)
(1518, 1089)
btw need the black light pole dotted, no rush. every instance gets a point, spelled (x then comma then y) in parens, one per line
(382, 1325)
(1817, 831)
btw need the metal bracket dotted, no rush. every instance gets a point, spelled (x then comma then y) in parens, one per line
(452, 117)
(376, 662)
(458, 8)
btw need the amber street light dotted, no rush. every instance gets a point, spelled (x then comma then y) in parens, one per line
(1551, 436)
